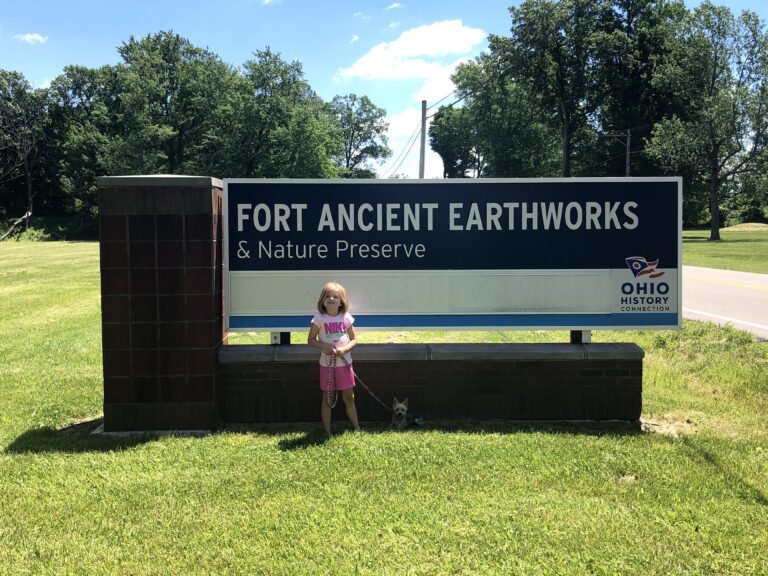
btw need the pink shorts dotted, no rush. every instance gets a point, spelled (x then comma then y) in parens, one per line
(342, 378)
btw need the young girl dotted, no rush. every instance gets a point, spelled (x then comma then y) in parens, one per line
(332, 332)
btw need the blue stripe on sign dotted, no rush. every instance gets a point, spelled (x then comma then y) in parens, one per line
(471, 320)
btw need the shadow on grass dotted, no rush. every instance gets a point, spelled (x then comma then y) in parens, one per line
(78, 438)
(747, 490)
(75, 438)
(312, 435)
(729, 240)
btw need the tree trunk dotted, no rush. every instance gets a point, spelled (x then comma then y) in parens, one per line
(28, 177)
(714, 208)
(180, 151)
(18, 221)
(566, 148)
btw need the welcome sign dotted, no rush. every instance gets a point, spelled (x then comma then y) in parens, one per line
(577, 254)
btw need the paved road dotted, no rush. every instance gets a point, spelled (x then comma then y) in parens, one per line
(726, 297)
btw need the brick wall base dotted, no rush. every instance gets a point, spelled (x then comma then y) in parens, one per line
(443, 382)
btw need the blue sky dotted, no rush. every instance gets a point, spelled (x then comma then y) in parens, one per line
(397, 53)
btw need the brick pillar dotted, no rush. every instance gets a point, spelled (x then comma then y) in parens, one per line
(161, 300)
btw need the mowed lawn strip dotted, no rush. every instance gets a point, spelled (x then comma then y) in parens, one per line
(743, 248)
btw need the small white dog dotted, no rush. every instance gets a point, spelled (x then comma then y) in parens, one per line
(401, 418)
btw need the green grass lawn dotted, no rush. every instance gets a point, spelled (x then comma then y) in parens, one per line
(743, 250)
(483, 498)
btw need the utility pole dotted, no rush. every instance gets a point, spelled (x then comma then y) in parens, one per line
(625, 139)
(629, 147)
(423, 137)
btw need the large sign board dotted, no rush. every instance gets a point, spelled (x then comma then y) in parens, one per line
(575, 254)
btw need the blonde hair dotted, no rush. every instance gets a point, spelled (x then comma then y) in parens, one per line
(333, 286)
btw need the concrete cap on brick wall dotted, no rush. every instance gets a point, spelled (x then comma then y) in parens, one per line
(159, 180)
(528, 352)
(238, 353)
(491, 352)
(303, 352)
(438, 352)
(614, 351)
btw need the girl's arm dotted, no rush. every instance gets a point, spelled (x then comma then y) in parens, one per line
(313, 340)
(349, 345)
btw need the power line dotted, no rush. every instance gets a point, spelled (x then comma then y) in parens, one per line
(449, 106)
(443, 98)
(413, 143)
(405, 151)
(413, 134)
(486, 83)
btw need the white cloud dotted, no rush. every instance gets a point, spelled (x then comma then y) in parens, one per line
(31, 38)
(393, 6)
(45, 84)
(405, 123)
(361, 15)
(417, 53)
(437, 86)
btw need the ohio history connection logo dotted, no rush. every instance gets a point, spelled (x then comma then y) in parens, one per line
(639, 266)
(643, 295)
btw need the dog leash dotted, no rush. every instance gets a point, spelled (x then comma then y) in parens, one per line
(388, 408)
(331, 370)
(363, 384)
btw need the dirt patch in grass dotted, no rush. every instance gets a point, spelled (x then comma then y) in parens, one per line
(626, 479)
(671, 425)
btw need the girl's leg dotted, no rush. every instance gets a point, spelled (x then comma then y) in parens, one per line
(348, 396)
(325, 415)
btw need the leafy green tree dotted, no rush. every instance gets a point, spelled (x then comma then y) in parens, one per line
(23, 122)
(749, 203)
(453, 137)
(284, 129)
(512, 134)
(81, 107)
(362, 131)
(551, 53)
(169, 93)
(634, 35)
(273, 87)
(719, 69)
(311, 142)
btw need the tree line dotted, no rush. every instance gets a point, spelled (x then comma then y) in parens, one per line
(578, 88)
(620, 87)
(169, 107)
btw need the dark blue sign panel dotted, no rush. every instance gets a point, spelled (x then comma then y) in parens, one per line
(457, 254)
(450, 224)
